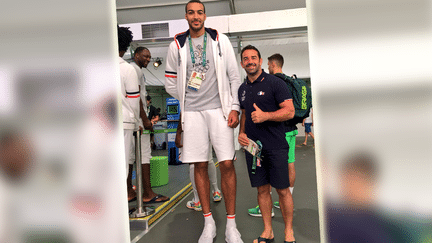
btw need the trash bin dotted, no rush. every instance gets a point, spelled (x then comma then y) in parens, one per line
(159, 171)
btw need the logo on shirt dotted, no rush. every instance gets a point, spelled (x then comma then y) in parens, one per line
(261, 93)
(243, 96)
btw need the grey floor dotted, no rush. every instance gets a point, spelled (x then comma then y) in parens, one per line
(181, 224)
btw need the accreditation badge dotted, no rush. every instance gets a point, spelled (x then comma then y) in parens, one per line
(195, 80)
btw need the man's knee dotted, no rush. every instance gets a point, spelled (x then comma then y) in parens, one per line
(226, 166)
(201, 166)
(283, 192)
(264, 189)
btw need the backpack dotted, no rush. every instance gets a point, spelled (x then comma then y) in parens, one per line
(302, 97)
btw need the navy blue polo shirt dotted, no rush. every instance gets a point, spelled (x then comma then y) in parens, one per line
(267, 92)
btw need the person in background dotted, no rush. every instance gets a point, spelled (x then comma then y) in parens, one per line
(307, 123)
(142, 58)
(151, 109)
(130, 95)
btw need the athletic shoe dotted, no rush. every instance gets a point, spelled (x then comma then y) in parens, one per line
(277, 205)
(209, 232)
(232, 235)
(193, 205)
(256, 212)
(217, 197)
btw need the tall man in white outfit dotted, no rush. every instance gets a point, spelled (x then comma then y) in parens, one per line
(201, 72)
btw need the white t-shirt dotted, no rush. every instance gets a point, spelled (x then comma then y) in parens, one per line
(143, 91)
(207, 97)
(309, 118)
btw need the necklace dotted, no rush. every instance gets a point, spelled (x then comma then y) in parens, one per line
(201, 53)
(200, 50)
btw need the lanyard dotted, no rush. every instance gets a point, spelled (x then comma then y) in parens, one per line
(203, 53)
(257, 157)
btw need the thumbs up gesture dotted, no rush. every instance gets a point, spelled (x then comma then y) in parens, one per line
(258, 115)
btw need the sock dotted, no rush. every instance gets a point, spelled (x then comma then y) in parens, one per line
(192, 178)
(291, 189)
(231, 221)
(208, 219)
(212, 175)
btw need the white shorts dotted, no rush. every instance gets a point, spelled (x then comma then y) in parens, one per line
(180, 150)
(145, 149)
(201, 127)
(129, 141)
(130, 147)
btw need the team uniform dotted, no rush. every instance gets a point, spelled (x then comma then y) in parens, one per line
(267, 92)
(202, 73)
(206, 106)
(130, 107)
(145, 138)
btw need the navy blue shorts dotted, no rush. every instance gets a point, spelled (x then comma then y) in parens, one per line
(273, 170)
(308, 127)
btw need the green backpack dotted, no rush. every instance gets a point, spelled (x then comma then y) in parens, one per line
(302, 96)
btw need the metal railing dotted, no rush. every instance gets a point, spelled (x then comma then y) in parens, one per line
(141, 211)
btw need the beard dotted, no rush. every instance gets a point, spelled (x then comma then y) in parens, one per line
(142, 64)
(196, 29)
(251, 72)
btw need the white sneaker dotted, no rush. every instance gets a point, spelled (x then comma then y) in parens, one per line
(232, 235)
(209, 232)
(193, 205)
(217, 197)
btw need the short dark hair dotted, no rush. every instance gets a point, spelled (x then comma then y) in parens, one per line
(250, 47)
(277, 58)
(139, 49)
(194, 1)
(124, 38)
(148, 98)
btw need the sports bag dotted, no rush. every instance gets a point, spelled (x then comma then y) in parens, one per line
(302, 97)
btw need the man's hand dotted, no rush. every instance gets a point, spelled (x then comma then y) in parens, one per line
(147, 125)
(233, 119)
(243, 139)
(178, 142)
(258, 115)
(140, 129)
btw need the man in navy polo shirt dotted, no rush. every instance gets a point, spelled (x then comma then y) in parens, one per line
(266, 102)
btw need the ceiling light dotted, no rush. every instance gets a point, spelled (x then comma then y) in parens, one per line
(157, 63)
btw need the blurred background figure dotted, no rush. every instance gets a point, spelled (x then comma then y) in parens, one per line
(151, 109)
(155, 119)
(307, 123)
(355, 216)
(15, 155)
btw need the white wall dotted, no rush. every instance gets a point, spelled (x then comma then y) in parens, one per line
(295, 53)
